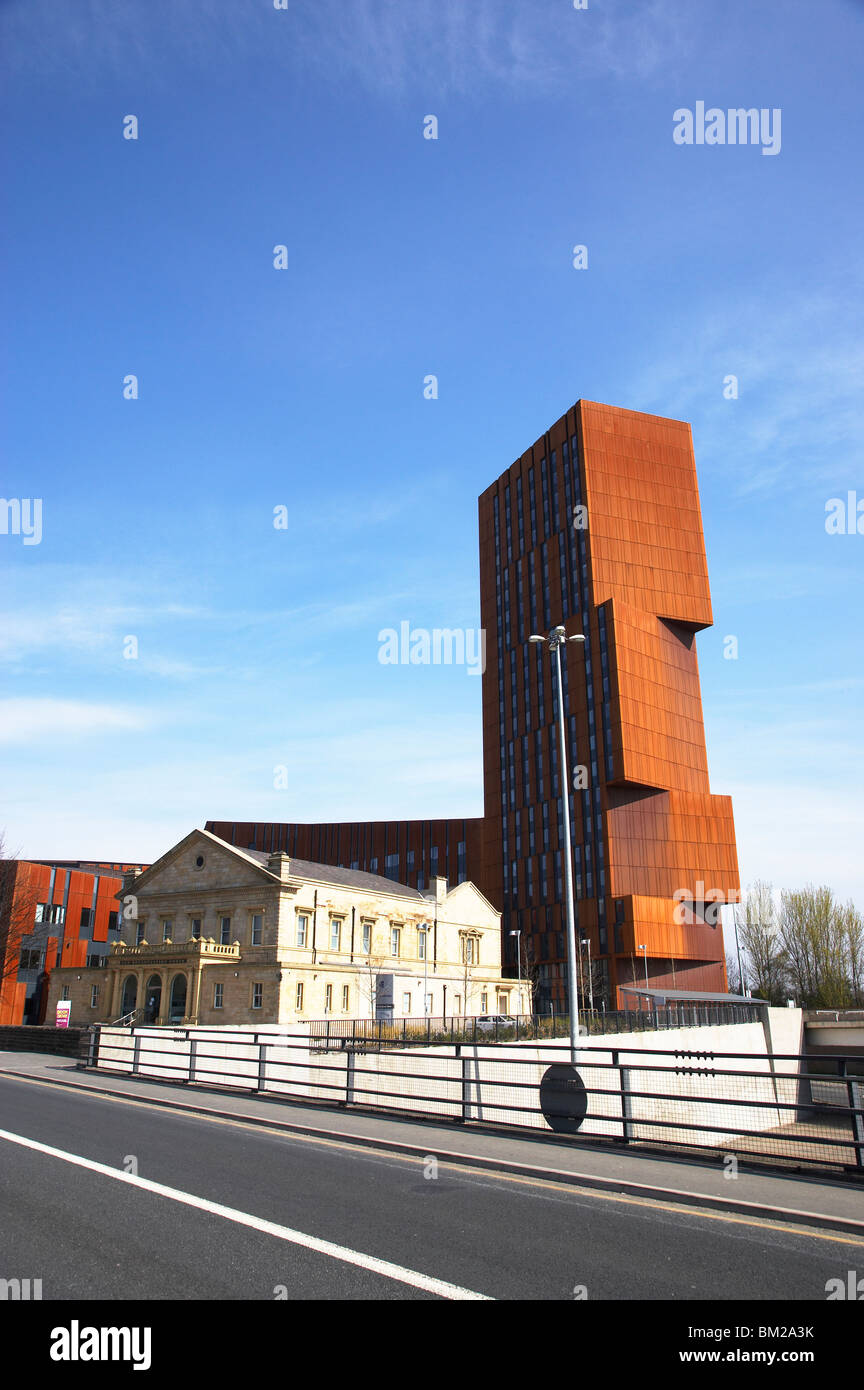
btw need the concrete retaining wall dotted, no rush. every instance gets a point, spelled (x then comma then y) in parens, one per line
(490, 1083)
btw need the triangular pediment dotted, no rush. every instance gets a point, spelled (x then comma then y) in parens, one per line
(466, 905)
(221, 865)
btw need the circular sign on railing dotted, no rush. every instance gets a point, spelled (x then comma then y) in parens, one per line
(563, 1098)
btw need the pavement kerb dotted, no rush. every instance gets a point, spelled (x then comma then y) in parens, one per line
(624, 1186)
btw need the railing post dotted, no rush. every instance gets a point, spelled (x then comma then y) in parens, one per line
(857, 1122)
(136, 1054)
(466, 1081)
(262, 1066)
(349, 1076)
(853, 1091)
(193, 1047)
(93, 1047)
(626, 1103)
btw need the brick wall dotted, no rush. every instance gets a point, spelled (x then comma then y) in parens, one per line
(65, 1042)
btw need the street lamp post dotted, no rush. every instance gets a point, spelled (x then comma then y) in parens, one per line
(518, 936)
(586, 941)
(555, 641)
(424, 929)
(645, 958)
(741, 989)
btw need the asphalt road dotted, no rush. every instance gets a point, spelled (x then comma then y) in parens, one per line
(88, 1235)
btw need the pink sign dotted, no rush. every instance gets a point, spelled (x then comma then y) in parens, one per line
(64, 1009)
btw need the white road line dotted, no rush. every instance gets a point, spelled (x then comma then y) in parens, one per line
(270, 1228)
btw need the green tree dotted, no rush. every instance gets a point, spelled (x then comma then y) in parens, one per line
(813, 936)
(852, 924)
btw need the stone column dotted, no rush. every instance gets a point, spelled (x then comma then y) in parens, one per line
(165, 977)
(113, 1000)
(197, 976)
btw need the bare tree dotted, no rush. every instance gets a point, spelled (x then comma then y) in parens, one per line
(467, 961)
(759, 937)
(528, 970)
(593, 983)
(367, 981)
(18, 925)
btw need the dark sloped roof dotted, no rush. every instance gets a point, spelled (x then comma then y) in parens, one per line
(698, 996)
(346, 878)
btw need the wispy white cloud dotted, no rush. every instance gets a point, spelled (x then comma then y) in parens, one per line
(453, 45)
(832, 686)
(776, 581)
(386, 45)
(60, 608)
(25, 720)
(80, 628)
(794, 696)
(785, 757)
(799, 416)
(187, 642)
(794, 833)
(345, 760)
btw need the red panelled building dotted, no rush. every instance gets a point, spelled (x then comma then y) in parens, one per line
(59, 912)
(596, 526)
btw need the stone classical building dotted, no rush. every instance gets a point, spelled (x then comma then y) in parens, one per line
(213, 934)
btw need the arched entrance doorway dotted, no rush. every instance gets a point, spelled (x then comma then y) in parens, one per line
(178, 998)
(153, 998)
(129, 997)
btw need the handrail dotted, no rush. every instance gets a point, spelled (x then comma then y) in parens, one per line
(127, 1020)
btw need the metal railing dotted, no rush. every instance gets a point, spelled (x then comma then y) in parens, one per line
(781, 1109)
(371, 1033)
(128, 1019)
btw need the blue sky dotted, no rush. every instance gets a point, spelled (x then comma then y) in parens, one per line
(303, 387)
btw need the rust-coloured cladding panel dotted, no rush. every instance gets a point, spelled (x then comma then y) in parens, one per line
(39, 876)
(677, 974)
(28, 886)
(644, 520)
(80, 897)
(651, 922)
(74, 953)
(12, 997)
(660, 844)
(369, 843)
(488, 622)
(106, 903)
(20, 890)
(658, 735)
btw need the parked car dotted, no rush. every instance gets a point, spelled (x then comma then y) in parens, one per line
(486, 1023)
